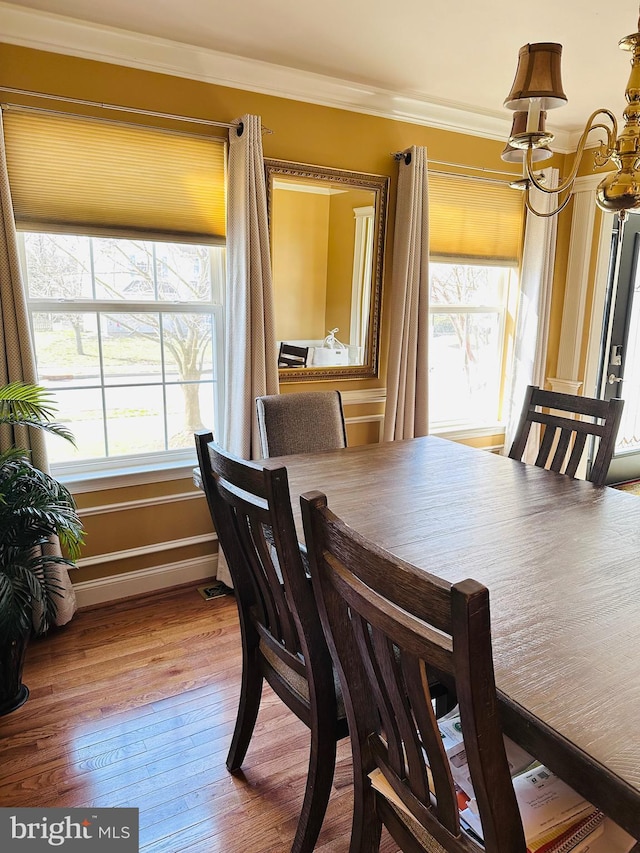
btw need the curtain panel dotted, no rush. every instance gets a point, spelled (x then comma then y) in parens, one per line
(251, 367)
(534, 305)
(17, 359)
(406, 411)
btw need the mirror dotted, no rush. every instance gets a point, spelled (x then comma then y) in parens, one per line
(327, 229)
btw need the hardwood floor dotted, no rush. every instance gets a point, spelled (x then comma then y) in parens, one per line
(133, 704)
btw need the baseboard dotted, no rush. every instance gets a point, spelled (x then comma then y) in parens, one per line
(139, 582)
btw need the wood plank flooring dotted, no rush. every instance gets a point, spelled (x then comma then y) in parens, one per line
(133, 704)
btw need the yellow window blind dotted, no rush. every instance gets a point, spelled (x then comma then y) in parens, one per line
(90, 176)
(474, 219)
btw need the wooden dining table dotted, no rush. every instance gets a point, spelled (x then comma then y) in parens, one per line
(561, 560)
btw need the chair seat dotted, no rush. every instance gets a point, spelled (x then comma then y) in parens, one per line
(297, 682)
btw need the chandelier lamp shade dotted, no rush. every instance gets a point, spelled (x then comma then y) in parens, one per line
(537, 88)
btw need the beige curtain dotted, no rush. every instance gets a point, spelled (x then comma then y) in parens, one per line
(406, 412)
(251, 366)
(17, 361)
(534, 306)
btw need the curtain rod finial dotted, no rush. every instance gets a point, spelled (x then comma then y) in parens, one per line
(402, 155)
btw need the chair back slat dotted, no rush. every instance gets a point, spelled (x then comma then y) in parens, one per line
(385, 653)
(580, 439)
(394, 751)
(564, 439)
(417, 683)
(546, 446)
(561, 450)
(586, 425)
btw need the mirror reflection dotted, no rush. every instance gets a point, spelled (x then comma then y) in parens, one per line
(327, 234)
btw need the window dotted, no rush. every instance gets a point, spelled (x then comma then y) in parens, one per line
(128, 333)
(475, 242)
(467, 337)
(122, 234)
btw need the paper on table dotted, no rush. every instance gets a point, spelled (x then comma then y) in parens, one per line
(612, 839)
(518, 759)
(576, 838)
(380, 784)
(607, 838)
(546, 802)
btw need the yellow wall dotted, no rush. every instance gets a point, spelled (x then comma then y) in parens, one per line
(300, 234)
(302, 132)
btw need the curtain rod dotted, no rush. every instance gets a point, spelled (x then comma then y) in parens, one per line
(402, 155)
(116, 108)
(484, 180)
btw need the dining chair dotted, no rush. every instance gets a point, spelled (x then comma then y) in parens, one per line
(290, 355)
(301, 423)
(563, 438)
(282, 638)
(389, 626)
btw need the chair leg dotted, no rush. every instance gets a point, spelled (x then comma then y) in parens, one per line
(322, 762)
(250, 695)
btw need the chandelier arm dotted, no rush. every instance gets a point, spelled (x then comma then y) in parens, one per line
(560, 207)
(612, 133)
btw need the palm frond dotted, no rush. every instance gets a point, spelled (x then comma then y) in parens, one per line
(25, 404)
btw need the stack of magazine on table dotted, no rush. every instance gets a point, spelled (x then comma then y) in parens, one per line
(555, 818)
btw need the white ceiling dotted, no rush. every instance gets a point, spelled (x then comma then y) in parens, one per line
(406, 58)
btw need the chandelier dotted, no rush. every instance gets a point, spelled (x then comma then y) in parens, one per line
(537, 87)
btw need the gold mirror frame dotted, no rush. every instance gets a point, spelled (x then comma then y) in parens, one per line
(379, 185)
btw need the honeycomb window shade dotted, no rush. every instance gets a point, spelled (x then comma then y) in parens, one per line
(474, 219)
(80, 175)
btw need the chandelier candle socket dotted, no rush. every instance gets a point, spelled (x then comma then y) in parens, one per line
(512, 154)
(537, 87)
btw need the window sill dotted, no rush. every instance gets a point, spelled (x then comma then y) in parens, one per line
(133, 471)
(457, 432)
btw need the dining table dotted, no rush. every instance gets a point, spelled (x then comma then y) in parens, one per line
(561, 560)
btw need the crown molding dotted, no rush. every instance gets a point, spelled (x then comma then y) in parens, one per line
(60, 34)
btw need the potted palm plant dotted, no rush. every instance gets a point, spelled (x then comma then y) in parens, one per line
(34, 508)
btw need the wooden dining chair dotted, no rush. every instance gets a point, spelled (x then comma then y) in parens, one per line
(301, 423)
(563, 439)
(282, 639)
(390, 626)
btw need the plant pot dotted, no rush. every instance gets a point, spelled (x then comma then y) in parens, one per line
(13, 693)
